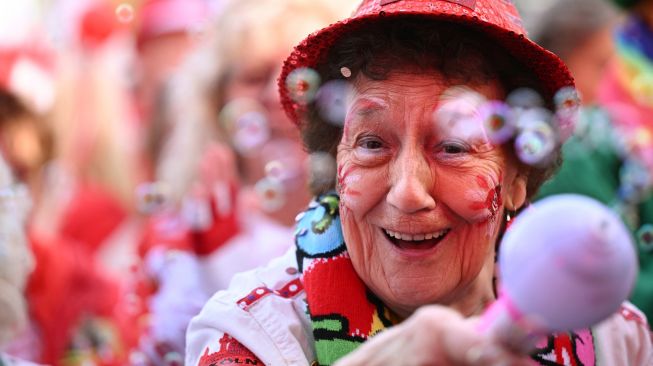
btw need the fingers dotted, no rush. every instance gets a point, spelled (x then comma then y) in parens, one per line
(434, 336)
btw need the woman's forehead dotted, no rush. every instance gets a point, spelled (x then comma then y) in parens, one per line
(374, 95)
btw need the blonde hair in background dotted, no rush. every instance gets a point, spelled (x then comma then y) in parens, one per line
(93, 125)
(242, 30)
(16, 260)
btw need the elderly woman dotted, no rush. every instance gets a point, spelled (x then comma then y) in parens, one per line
(406, 247)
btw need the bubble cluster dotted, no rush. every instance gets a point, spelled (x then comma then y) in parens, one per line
(271, 194)
(152, 197)
(331, 101)
(125, 12)
(303, 84)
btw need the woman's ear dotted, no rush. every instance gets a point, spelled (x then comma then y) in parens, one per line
(516, 196)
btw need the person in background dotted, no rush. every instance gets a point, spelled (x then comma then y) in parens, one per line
(230, 171)
(395, 257)
(580, 33)
(16, 263)
(610, 156)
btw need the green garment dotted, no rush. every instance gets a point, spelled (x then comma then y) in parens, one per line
(592, 167)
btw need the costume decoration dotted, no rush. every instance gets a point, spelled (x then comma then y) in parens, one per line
(231, 352)
(344, 313)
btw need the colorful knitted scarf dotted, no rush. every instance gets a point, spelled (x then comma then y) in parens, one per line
(343, 311)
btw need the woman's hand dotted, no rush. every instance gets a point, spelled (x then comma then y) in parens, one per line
(434, 335)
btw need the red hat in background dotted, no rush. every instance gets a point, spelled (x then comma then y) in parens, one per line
(160, 17)
(22, 67)
(498, 19)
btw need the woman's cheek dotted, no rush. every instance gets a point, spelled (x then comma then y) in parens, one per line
(475, 196)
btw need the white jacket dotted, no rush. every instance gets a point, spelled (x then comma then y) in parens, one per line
(265, 311)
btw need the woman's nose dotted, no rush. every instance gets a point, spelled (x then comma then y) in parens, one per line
(412, 182)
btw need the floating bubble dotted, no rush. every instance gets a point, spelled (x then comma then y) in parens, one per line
(152, 197)
(497, 123)
(251, 132)
(275, 170)
(322, 168)
(645, 237)
(567, 97)
(283, 160)
(138, 358)
(535, 144)
(525, 98)
(125, 13)
(568, 109)
(636, 181)
(458, 113)
(173, 359)
(331, 101)
(271, 194)
(196, 213)
(246, 123)
(303, 84)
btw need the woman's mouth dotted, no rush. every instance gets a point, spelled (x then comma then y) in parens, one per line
(423, 241)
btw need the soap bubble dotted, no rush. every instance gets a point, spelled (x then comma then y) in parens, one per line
(496, 119)
(535, 144)
(271, 194)
(303, 84)
(331, 101)
(525, 98)
(125, 12)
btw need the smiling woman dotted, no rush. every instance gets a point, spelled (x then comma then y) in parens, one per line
(396, 255)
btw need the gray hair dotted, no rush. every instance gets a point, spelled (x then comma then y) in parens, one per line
(570, 23)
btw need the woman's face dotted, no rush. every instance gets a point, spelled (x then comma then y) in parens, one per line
(422, 194)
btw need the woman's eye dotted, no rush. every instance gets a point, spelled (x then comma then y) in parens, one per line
(370, 144)
(454, 148)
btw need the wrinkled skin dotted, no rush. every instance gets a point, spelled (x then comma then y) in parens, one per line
(401, 169)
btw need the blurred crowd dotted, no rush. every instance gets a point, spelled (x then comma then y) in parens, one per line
(145, 158)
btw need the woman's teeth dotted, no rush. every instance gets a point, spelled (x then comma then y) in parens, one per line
(415, 237)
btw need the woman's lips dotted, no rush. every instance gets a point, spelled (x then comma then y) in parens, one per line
(414, 242)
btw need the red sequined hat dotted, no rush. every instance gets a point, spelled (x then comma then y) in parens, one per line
(498, 19)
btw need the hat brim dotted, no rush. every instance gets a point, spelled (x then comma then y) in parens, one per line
(549, 69)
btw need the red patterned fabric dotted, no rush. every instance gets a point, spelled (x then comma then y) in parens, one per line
(231, 352)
